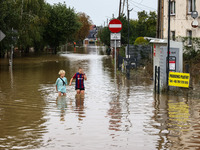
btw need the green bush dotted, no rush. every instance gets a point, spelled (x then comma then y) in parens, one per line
(141, 41)
(191, 52)
(122, 51)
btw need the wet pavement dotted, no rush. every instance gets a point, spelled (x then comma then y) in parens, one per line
(116, 114)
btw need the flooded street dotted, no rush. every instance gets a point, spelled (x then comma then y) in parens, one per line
(116, 114)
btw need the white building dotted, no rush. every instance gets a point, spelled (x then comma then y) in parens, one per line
(180, 18)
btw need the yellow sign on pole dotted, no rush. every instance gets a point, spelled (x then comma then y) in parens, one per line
(179, 79)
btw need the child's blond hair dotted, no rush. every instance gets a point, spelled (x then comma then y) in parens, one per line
(61, 72)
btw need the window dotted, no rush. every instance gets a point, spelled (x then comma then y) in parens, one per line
(191, 6)
(173, 36)
(189, 35)
(173, 7)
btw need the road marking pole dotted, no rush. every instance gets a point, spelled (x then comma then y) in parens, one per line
(115, 56)
(11, 52)
(115, 26)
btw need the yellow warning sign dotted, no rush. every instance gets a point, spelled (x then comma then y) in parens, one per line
(179, 79)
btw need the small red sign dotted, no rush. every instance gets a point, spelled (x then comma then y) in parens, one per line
(115, 26)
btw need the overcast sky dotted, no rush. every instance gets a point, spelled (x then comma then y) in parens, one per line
(100, 10)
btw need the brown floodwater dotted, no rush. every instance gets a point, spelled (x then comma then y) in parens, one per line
(116, 114)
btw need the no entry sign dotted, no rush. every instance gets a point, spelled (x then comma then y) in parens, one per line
(115, 26)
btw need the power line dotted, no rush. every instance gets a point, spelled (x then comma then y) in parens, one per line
(136, 3)
(137, 7)
(141, 1)
(143, 5)
(125, 10)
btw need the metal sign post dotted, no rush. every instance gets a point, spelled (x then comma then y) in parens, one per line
(128, 69)
(115, 56)
(116, 37)
(115, 26)
(11, 53)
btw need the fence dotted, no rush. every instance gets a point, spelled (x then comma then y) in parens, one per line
(138, 54)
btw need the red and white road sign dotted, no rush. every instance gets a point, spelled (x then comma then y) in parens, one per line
(115, 26)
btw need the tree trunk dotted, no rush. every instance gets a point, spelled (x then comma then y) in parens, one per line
(0, 53)
(27, 50)
(55, 50)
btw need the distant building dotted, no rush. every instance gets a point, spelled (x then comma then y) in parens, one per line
(180, 18)
(91, 39)
(93, 32)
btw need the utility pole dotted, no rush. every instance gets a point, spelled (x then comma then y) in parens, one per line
(128, 11)
(159, 30)
(127, 6)
(120, 6)
(128, 69)
(11, 52)
(162, 19)
(158, 20)
(168, 45)
(123, 7)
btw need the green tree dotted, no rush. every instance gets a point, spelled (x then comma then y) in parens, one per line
(151, 25)
(146, 24)
(8, 20)
(141, 26)
(133, 31)
(104, 35)
(37, 24)
(124, 31)
(33, 17)
(191, 52)
(85, 27)
(62, 25)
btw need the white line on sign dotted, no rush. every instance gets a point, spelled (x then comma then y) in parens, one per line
(115, 25)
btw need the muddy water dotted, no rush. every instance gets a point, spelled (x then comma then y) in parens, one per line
(116, 114)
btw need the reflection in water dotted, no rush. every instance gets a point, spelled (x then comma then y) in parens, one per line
(177, 122)
(178, 117)
(80, 108)
(119, 107)
(11, 76)
(61, 105)
(115, 114)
